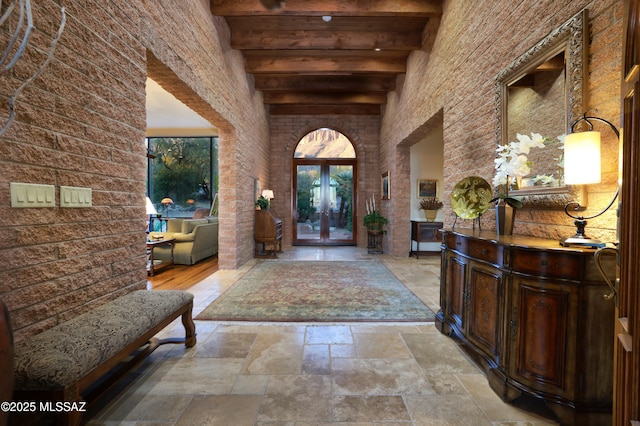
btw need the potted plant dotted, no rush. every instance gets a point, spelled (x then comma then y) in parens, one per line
(430, 205)
(263, 203)
(373, 220)
(512, 164)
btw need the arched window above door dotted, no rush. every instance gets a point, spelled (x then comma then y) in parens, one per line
(324, 143)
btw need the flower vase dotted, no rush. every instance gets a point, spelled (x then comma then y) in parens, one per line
(505, 218)
(430, 215)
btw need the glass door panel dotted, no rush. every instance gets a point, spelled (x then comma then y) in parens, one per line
(309, 199)
(340, 212)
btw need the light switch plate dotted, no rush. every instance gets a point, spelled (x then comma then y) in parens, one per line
(72, 196)
(25, 195)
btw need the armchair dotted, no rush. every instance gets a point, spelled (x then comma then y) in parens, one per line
(196, 239)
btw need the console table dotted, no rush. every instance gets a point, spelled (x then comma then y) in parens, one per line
(424, 232)
(532, 314)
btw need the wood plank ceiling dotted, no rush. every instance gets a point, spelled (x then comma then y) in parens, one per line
(326, 56)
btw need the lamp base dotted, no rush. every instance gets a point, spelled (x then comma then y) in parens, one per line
(580, 241)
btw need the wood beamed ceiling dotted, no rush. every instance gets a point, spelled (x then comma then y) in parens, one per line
(306, 65)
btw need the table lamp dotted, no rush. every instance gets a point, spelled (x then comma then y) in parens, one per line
(582, 167)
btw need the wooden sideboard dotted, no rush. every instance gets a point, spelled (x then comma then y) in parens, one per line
(268, 233)
(532, 314)
(424, 232)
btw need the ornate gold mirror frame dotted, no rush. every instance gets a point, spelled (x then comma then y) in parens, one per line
(572, 39)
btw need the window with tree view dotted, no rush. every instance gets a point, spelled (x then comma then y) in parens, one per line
(182, 172)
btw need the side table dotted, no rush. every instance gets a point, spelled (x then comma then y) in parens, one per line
(374, 242)
(424, 232)
(152, 265)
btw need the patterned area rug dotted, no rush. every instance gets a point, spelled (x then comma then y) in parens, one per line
(318, 291)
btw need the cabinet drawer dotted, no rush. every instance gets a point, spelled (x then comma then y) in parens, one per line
(547, 264)
(477, 249)
(426, 231)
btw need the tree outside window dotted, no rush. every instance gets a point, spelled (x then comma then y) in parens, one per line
(184, 170)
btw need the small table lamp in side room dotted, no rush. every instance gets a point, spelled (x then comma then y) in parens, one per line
(166, 202)
(582, 167)
(268, 194)
(151, 210)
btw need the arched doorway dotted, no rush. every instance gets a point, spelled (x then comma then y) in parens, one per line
(325, 171)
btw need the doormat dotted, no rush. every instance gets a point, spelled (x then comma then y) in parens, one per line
(313, 291)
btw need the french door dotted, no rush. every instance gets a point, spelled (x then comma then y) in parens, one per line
(323, 204)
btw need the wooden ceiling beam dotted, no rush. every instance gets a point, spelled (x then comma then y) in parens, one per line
(322, 66)
(311, 83)
(305, 109)
(325, 98)
(337, 23)
(330, 7)
(327, 65)
(325, 40)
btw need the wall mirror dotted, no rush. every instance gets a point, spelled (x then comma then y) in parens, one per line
(544, 91)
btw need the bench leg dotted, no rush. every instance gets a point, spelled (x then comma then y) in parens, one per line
(189, 328)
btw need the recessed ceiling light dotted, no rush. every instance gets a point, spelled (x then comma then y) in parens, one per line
(327, 18)
(377, 49)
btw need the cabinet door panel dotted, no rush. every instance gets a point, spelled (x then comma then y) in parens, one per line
(542, 322)
(485, 313)
(457, 268)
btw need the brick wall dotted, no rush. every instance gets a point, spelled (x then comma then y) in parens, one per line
(82, 123)
(456, 78)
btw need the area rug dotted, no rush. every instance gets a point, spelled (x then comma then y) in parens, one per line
(318, 291)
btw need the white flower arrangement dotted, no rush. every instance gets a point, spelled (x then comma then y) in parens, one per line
(546, 180)
(512, 161)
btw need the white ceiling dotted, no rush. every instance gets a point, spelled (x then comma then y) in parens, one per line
(165, 112)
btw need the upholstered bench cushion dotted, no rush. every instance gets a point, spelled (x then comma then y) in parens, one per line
(66, 352)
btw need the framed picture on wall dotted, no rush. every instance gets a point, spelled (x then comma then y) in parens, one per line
(386, 186)
(427, 188)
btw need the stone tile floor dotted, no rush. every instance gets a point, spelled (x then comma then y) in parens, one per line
(304, 374)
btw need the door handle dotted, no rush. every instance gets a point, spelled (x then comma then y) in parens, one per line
(612, 286)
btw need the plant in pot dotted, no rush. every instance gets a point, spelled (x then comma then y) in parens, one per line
(511, 164)
(430, 205)
(263, 203)
(374, 221)
(505, 211)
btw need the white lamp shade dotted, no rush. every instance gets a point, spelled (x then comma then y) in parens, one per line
(582, 158)
(150, 207)
(268, 194)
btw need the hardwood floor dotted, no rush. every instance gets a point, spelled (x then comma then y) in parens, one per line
(182, 277)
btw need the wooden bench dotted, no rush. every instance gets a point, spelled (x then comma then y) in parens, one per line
(78, 360)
